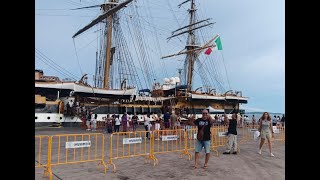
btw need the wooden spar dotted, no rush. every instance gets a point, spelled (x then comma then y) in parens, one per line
(191, 25)
(102, 17)
(189, 30)
(183, 3)
(185, 52)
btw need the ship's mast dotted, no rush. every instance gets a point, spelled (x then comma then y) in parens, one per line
(192, 49)
(191, 56)
(107, 63)
(109, 8)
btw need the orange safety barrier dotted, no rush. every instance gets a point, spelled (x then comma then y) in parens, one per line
(192, 139)
(77, 148)
(166, 141)
(219, 134)
(245, 134)
(219, 137)
(279, 134)
(248, 133)
(131, 144)
(42, 153)
(191, 135)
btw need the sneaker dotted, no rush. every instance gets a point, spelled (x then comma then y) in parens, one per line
(271, 155)
(226, 153)
(259, 152)
(235, 152)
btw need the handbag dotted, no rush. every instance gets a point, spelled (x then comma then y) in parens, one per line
(256, 135)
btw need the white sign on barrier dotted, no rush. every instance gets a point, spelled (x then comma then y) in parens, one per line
(132, 140)
(78, 144)
(195, 136)
(275, 129)
(253, 130)
(169, 138)
(222, 134)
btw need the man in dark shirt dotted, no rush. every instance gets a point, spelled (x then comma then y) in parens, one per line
(203, 137)
(166, 118)
(232, 135)
(134, 121)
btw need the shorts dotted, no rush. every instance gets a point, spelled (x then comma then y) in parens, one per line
(205, 144)
(265, 134)
(88, 123)
(166, 124)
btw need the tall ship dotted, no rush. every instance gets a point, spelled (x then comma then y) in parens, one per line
(117, 85)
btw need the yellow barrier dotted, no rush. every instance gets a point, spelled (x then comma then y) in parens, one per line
(42, 153)
(219, 137)
(131, 144)
(279, 134)
(246, 134)
(77, 148)
(171, 141)
(218, 133)
(191, 139)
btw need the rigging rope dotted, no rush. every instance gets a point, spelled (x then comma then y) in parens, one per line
(226, 70)
(74, 45)
(54, 65)
(157, 40)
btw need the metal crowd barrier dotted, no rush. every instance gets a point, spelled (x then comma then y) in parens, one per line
(131, 144)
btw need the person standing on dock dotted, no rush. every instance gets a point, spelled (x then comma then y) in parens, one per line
(266, 131)
(94, 121)
(203, 137)
(232, 135)
(124, 120)
(253, 121)
(134, 121)
(117, 123)
(166, 118)
(146, 124)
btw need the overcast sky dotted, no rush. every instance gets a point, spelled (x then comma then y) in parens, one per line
(251, 31)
